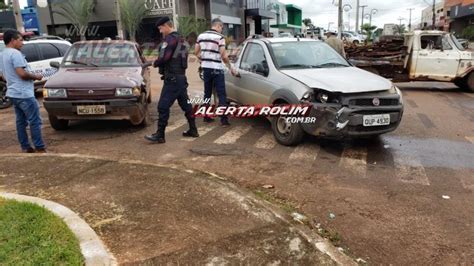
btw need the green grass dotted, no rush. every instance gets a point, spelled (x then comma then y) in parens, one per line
(31, 235)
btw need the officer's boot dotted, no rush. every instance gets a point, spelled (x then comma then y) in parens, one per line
(158, 137)
(192, 132)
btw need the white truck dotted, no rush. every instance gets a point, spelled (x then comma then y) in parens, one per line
(426, 56)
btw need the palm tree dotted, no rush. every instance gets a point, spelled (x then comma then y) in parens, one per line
(78, 12)
(368, 29)
(132, 13)
(399, 29)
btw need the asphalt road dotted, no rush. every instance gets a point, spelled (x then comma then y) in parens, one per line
(406, 198)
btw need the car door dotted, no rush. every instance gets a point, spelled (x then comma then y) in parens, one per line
(49, 52)
(146, 73)
(253, 86)
(32, 56)
(436, 58)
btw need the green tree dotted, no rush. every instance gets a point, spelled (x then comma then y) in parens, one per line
(307, 22)
(190, 27)
(132, 13)
(399, 29)
(78, 12)
(468, 33)
(367, 29)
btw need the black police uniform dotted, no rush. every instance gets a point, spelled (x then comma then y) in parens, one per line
(173, 64)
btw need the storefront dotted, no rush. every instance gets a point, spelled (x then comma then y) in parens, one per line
(461, 16)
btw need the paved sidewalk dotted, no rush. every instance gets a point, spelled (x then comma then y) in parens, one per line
(150, 214)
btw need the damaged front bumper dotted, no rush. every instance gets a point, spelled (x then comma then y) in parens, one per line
(346, 120)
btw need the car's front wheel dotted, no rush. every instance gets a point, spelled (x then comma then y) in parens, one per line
(5, 102)
(58, 124)
(141, 119)
(470, 82)
(286, 133)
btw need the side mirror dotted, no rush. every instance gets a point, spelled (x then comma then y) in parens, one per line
(54, 64)
(147, 65)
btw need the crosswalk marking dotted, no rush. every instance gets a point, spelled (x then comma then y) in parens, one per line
(202, 131)
(176, 125)
(305, 152)
(355, 160)
(471, 139)
(266, 142)
(233, 135)
(410, 170)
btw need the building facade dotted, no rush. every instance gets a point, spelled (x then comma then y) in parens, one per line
(460, 15)
(427, 17)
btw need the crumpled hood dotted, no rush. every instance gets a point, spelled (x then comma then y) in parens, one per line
(342, 79)
(96, 78)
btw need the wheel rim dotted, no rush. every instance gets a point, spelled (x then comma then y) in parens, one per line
(283, 127)
(3, 96)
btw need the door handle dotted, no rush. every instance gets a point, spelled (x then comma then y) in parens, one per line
(423, 54)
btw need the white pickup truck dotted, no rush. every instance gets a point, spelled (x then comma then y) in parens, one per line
(429, 55)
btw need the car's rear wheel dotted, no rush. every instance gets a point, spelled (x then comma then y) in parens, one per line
(5, 102)
(286, 133)
(58, 124)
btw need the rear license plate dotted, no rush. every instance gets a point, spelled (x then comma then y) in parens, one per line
(91, 110)
(376, 120)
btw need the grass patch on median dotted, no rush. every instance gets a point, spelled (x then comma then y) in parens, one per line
(32, 235)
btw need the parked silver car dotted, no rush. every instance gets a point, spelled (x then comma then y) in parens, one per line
(346, 101)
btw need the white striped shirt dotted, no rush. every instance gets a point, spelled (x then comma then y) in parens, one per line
(210, 42)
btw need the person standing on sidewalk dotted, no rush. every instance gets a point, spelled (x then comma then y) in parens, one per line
(21, 91)
(173, 62)
(210, 49)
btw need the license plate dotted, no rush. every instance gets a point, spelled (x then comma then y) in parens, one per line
(91, 110)
(376, 120)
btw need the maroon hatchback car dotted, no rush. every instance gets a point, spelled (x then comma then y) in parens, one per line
(99, 80)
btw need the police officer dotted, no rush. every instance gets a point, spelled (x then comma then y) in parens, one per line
(172, 62)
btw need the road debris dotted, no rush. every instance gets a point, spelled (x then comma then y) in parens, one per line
(361, 261)
(299, 217)
(268, 186)
(332, 216)
(446, 197)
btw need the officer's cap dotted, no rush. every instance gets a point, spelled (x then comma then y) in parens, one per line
(161, 21)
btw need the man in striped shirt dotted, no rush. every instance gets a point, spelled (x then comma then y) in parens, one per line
(210, 49)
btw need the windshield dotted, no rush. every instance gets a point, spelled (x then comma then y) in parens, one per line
(306, 55)
(102, 55)
(457, 43)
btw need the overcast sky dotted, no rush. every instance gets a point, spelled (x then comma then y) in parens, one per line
(322, 12)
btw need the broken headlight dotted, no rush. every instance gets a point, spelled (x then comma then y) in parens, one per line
(326, 97)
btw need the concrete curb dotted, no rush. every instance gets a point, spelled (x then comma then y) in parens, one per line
(322, 244)
(92, 248)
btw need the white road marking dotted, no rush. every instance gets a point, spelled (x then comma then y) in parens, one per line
(410, 170)
(355, 160)
(305, 152)
(471, 139)
(266, 142)
(233, 135)
(202, 131)
(176, 125)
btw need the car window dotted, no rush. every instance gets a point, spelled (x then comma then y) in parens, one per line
(30, 52)
(290, 55)
(49, 51)
(253, 55)
(435, 42)
(102, 54)
(62, 47)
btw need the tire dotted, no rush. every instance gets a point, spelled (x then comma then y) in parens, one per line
(470, 82)
(58, 124)
(4, 101)
(461, 83)
(143, 121)
(285, 133)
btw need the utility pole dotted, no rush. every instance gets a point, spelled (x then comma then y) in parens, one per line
(18, 18)
(118, 16)
(434, 14)
(409, 22)
(357, 16)
(339, 20)
(363, 8)
(53, 25)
